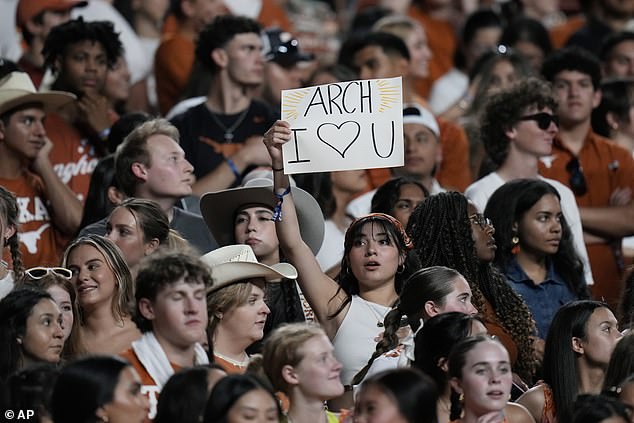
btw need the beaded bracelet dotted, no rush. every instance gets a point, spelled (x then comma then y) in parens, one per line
(233, 168)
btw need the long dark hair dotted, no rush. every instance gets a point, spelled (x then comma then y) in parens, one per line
(508, 205)
(442, 234)
(348, 281)
(560, 369)
(435, 340)
(15, 309)
(228, 391)
(184, 396)
(427, 284)
(85, 385)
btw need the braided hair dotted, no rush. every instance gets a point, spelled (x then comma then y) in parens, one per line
(442, 235)
(427, 284)
(9, 212)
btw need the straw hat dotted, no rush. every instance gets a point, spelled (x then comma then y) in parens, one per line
(219, 209)
(17, 89)
(235, 263)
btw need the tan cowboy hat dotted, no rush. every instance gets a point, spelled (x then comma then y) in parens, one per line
(219, 210)
(17, 89)
(235, 263)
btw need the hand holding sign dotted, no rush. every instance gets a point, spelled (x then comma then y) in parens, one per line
(347, 125)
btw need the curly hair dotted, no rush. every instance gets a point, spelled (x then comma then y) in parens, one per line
(9, 212)
(78, 30)
(504, 110)
(442, 234)
(219, 33)
(508, 205)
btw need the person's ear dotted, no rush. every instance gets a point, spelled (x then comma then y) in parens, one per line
(577, 345)
(9, 231)
(139, 170)
(596, 98)
(510, 133)
(442, 364)
(430, 309)
(289, 375)
(102, 415)
(219, 57)
(151, 246)
(146, 308)
(612, 122)
(455, 384)
(515, 226)
(115, 195)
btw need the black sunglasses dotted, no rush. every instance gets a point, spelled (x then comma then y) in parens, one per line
(577, 178)
(543, 120)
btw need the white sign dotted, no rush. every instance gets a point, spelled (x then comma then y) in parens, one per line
(344, 126)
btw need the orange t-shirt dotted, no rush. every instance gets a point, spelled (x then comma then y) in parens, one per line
(441, 38)
(560, 34)
(274, 15)
(148, 385)
(606, 166)
(41, 244)
(173, 62)
(73, 157)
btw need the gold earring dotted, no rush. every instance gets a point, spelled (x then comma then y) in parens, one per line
(461, 397)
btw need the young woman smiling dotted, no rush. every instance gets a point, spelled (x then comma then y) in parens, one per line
(105, 294)
(373, 268)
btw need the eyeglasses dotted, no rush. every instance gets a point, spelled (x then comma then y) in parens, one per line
(543, 120)
(577, 179)
(481, 221)
(39, 272)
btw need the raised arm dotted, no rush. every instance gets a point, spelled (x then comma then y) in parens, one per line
(318, 288)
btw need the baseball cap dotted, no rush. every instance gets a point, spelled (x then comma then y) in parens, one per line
(415, 113)
(282, 48)
(27, 9)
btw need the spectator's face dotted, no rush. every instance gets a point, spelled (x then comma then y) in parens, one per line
(24, 134)
(419, 52)
(117, 86)
(532, 53)
(576, 97)
(278, 78)
(422, 150)
(409, 197)
(242, 59)
(203, 12)
(43, 339)
(485, 39)
(503, 77)
(620, 61)
(255, 227)
(83, 67)
(50, 19)
(526, 137)
(123, 229)
(539, 229)
(128, 404)
(371, 62)
(169, 174)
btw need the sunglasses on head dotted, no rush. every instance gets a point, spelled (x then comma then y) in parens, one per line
(40, 272)
(543, 120)
(577, 179)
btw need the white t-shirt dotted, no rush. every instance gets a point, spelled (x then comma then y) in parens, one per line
(480, 191)
(331, 251)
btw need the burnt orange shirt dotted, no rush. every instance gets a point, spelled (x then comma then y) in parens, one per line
(560, 34)
(606, 166)
(148, 385)
(442, 43)
(173, 62)
(274, 15)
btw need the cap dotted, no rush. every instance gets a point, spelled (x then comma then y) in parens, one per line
(415, 113)
(282, 48)
(27, 9)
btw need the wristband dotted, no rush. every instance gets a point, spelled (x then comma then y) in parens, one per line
(277, 211)
(233, 168)
(281, 169)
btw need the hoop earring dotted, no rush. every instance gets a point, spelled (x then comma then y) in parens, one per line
(400, 269)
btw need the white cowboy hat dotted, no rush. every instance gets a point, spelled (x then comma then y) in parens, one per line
(17, 89)
(235, 263)
(219, 210)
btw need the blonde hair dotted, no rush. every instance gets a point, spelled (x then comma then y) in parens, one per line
(283, 347)
(227, 298)
(123, 300)
(401, 26)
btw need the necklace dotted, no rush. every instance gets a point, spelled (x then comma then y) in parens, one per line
(229, 131)
(240, 364)
(377, 315)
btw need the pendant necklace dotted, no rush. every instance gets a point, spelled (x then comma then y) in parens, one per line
(240, 364)
(377, 315)
(229, 131)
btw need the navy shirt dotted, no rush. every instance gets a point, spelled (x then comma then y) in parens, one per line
(542, 299)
